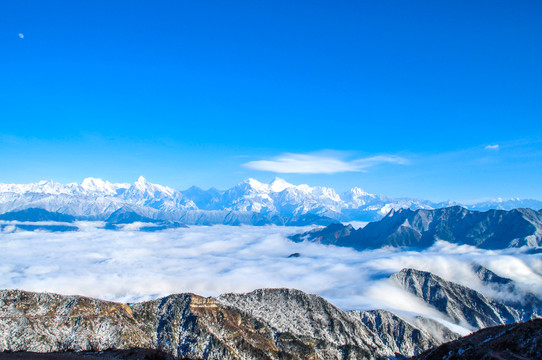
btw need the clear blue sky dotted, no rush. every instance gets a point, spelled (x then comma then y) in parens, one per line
(446, 94)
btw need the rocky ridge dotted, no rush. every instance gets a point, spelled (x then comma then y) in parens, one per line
(493, 229)
(402, 336)
(462, 305)
(513, 341)
(263, 324)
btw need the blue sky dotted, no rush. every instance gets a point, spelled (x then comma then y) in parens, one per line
(439, 100)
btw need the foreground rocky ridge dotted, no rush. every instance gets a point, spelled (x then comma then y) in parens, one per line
(264, 324)
(110, 354)
(513, 341)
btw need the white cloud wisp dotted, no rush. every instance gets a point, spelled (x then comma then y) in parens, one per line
(319, 164)
(492, 147)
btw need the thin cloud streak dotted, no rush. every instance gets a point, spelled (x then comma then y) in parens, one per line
(492, 147)
(289, 163)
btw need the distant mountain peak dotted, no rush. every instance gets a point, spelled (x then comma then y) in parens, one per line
(278, 185)
(141, 181)
(97, 185)
(359, 192)
(146, 186)
(93, 181)
(252, 183)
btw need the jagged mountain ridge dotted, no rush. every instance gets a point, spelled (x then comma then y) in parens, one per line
(98, 199)
(191, 326)
(493, 229)
(462, 305)
(262, 324)
(404, 337)
(94, 198)
(529, 304)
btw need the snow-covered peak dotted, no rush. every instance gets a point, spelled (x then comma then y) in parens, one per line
(327, 193)
(92, 185)
(143, 187)
(44, 186)
(142, 183)
(255, 185)
(276, 186)
(279, 185)
(358, 192)
(89, 186)
(304, 188)
(49, 186)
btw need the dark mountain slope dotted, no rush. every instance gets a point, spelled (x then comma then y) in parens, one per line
(35, 214)
(464, 306)
(184, 325)
(520, 341)
(405, 337)
(125, 216)
(493, 229)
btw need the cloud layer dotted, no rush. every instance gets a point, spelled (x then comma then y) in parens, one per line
(319, 164)
(133, 266)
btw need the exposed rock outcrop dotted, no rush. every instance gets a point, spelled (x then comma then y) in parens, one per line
(462, 305)
(514, 341)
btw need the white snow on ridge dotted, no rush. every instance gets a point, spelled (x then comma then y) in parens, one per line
(89, 186)
(95, 198)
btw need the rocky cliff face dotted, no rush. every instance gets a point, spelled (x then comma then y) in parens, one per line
(45, 322)
(288, 310)
(262, 324)
(514, 341)
(298, 326)
(182, 325)
(335, 333)
(462, 305)
(527, 304)
(405, 337)
(493, 229)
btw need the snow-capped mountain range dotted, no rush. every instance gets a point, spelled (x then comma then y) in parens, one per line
(97, 199)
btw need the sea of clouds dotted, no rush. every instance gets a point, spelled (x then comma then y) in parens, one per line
(132, 266)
